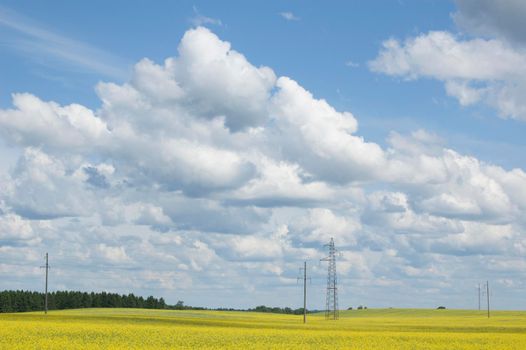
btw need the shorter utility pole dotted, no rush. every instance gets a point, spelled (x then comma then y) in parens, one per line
(479, 296)
(304, 268)
(487, 294)
(47, 269)
(304, 292)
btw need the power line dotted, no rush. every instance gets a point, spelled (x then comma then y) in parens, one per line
(331, 300)
(47, 270)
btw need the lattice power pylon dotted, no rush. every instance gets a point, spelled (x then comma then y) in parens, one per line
(331, 301)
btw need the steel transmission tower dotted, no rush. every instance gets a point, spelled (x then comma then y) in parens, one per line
(331, 301)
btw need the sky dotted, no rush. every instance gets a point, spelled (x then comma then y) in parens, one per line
(201, 151)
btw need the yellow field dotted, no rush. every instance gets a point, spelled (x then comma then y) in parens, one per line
(360, 329)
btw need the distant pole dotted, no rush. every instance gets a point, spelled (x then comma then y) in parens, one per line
(47, 269)
(487, 294)
(304, 277)
(304, 292)
(479, 296)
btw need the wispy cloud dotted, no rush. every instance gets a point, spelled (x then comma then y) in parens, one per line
(352, 64)
(45, 46)
(200, 19)
(289, 16)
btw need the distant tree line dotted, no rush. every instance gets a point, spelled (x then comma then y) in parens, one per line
(20, 301)
(279, 310)
(181, 306)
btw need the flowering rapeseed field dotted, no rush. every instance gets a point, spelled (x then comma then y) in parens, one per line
(360, 329)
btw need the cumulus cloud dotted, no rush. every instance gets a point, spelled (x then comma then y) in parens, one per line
(113, 254)
(257, 247)
(322, 224)
(472, 70)
(34, 122)
(477, 238)
(44, 187)
(210, 171)
(14, 229)
(220, 81)
(208, 80)
(320, 138)
(282, 184)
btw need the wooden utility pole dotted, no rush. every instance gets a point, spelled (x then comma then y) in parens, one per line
(47, 270)
(487, 294)
(304, 278)
(304, 292)
(479, 296)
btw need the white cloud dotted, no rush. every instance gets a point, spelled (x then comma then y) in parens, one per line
(116, 212)
(220, 81)
(320, 138)
(321, 224)
(393, 211)
(478, 238)
(156, 82)
(465, 94)
(473, 70)
(450, 184)
(13, 228)
(43, 187)
(113, 254)
(289, 16)
(34, 122)
(257, 247)
(208, 80)
(281, 184)
(213, 172)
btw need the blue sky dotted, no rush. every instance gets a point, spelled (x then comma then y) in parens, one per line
(315, 50)
(172, 169)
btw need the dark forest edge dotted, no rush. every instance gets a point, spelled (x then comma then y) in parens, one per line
(24, 301)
